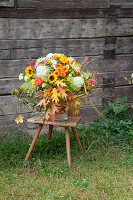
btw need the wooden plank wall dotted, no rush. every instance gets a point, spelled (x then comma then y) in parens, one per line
(34, 28)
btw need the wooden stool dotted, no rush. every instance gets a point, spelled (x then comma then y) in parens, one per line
(71, 122)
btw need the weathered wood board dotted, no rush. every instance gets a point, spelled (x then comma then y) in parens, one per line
(63, 28)
(34, 28)
(73, 3)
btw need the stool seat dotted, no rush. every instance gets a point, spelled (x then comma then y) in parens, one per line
(71, 122)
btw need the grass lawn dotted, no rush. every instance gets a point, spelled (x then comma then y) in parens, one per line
(104, 171)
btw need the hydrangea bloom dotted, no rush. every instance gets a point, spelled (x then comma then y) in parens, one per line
(42, 71)
(77, 83)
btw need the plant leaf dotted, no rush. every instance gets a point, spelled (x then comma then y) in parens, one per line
(19, 119)
(42, 102)
(55, 95)
(62, 92)
(48, 114)
(60, 83)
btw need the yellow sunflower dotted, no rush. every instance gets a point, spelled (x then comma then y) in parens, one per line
(29, 71)
(52, 77)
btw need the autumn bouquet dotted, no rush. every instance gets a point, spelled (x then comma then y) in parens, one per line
(54, 84)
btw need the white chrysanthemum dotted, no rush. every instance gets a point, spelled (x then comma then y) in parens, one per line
(21, 76)
(26, 78)
(42, 71)
(54, 62)
(77, 83)
(49, 55)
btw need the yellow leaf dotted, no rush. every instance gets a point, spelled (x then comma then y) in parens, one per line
(77, 102)
(19, 119)
(55, 95)
(60, 83)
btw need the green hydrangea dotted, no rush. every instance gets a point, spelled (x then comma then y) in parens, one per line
(76, 83)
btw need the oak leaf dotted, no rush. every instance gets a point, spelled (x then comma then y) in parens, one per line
(60, 83)
(42, 102)
(62, 92)
(48, 114)
(54, 108)
(19, 119)
(55, 95)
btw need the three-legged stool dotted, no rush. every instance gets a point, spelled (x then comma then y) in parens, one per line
(71, 122)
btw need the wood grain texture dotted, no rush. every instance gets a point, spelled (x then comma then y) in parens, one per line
(6, 85)
(66, 13)
(5, 54)
(10, 105)
(73, 3)
(63, 28)
(124, 45)
(49, 28)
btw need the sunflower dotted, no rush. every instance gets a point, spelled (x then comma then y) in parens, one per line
(52, 77)
(29, 71)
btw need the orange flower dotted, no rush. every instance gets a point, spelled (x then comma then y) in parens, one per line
(62, 74)
(57, 73)
(37, 81)
(59, 69)
(55, 56)
(58, 65)
(65, 68)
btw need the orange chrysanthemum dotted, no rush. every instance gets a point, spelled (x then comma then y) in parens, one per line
(58, 65)
(65, 68)
(55, 56)
(62, 74)
(57, 73)
(59, 69)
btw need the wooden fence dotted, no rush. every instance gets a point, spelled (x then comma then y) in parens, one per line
(30, 29)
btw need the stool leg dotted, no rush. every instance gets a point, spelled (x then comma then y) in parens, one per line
(39, 128)
(77, 138)
(68, 146)
(50, 132)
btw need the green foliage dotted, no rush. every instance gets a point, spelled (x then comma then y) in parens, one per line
(118, 124)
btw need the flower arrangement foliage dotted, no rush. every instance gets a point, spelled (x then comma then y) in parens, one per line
(55, 84)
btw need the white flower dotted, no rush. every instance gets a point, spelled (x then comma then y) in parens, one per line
(54, 62)
(54, 66)
(21, 76)
(49, 55)
(26, 78)
(77, 83)
(42, 71)
(132, 76)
